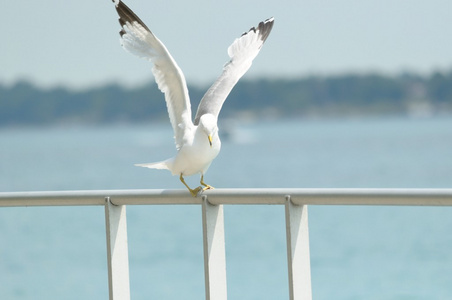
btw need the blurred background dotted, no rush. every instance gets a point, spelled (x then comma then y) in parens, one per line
(344, 94)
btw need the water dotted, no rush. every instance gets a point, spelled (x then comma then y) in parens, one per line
(356, 252)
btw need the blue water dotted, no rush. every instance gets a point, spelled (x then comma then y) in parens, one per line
(356, 252)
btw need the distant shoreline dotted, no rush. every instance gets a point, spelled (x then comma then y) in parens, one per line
(348, 95)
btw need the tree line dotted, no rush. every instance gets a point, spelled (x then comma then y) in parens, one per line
(350, 94)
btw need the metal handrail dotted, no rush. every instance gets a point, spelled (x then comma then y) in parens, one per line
(295, 201)
(411, 197)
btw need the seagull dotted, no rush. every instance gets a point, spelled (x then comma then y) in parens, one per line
(197, 142)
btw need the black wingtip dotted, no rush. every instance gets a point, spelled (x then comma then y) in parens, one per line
(126, 15)
(264, 28)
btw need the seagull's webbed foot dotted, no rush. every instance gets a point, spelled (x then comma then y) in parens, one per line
(194, 192)
(206, 186)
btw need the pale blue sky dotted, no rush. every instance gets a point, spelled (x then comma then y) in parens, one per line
(76, 43)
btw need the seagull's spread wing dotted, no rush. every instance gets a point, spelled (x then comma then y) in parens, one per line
(140, 41)
(242, 52)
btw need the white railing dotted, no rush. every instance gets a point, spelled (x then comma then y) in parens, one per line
(294, 200)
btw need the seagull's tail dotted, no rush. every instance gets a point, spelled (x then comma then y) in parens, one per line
(161, 165)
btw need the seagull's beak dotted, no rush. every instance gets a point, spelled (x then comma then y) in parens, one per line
(210, 139)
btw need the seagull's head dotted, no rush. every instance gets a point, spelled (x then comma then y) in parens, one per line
(208, 125)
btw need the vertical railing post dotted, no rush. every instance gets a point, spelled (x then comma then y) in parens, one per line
(117, 251)
(214, 250)
(298, 257)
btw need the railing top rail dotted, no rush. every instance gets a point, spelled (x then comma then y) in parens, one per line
(316, 196)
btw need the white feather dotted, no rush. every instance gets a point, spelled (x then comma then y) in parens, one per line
(137, 39)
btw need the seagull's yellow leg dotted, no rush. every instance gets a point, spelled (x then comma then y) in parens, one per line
(207, 187)
(193, 192)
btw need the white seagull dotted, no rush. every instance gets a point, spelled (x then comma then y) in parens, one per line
(197, 142)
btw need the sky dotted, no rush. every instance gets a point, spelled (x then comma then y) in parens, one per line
(76, 43)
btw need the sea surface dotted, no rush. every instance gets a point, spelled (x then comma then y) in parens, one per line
(357, 252)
